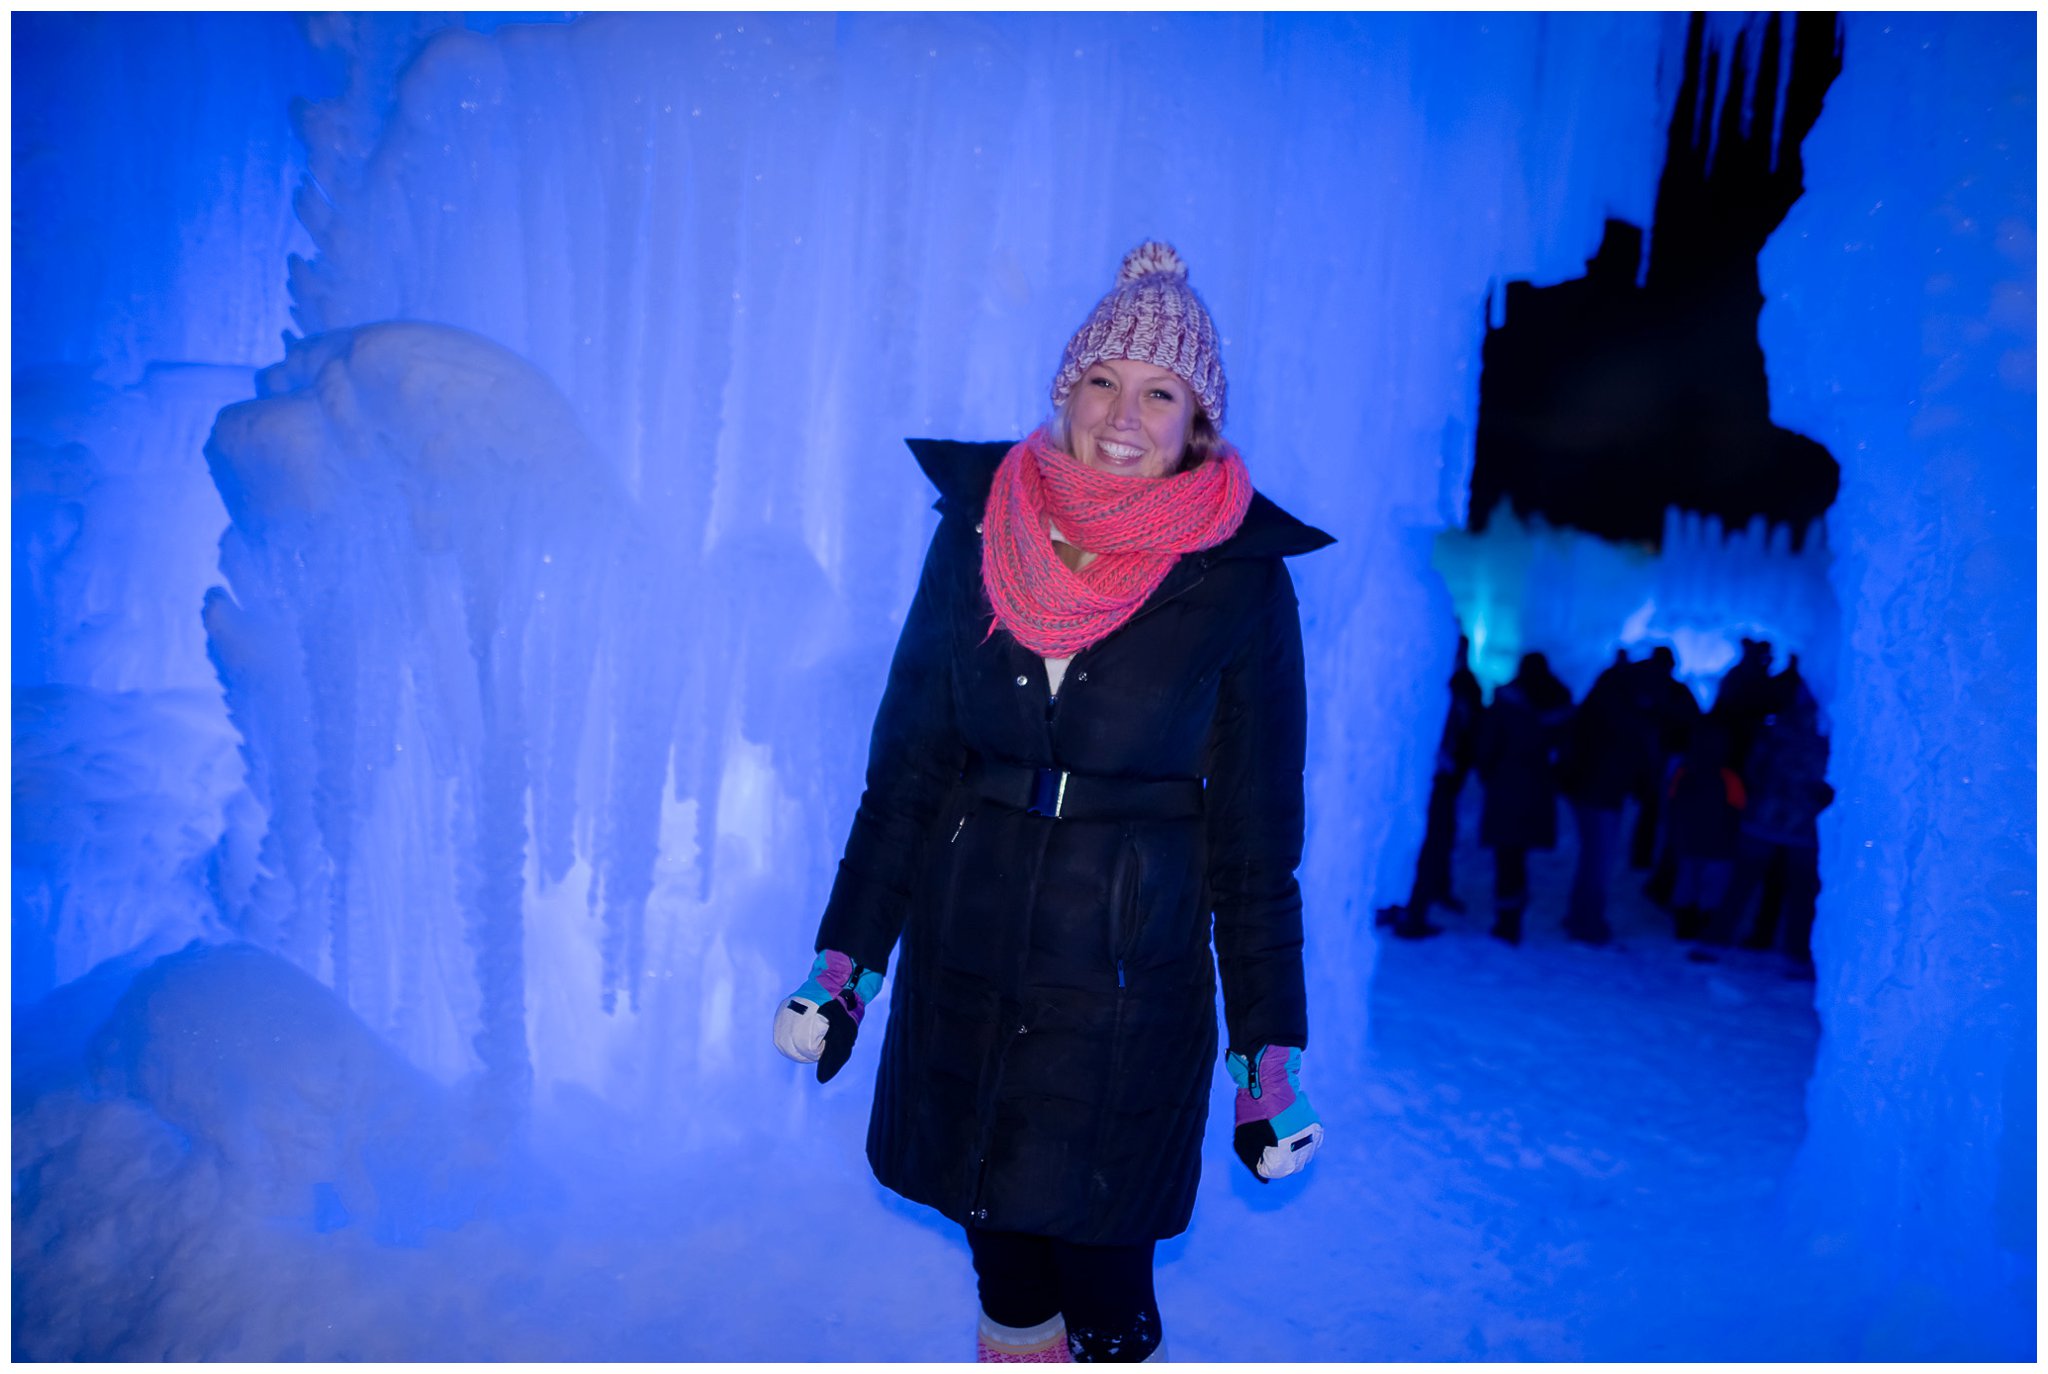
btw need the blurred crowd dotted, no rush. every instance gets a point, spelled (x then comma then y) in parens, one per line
(1724, 803)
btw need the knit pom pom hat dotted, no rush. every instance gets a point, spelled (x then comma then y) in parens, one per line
(1151, 316)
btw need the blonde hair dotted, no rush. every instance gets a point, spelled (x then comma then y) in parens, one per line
(1204, 441)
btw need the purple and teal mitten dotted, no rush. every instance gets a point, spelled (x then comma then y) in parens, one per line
(816, 1024)
(1277, 1131)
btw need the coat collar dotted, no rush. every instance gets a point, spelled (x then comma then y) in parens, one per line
(963, 472)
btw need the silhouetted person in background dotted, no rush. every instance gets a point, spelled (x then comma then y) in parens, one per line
(1672, 712)
(1606, 760)
(1454, 753)
(1788, 789)
(1786, 685)
(1778, 693)
(1518, 739)
(1744, 699)
(1703, 825)
(1546, 692)
(1613, 676)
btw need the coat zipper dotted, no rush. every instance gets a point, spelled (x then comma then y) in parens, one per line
(1120, 899)
(1052, 702)
(957, 829)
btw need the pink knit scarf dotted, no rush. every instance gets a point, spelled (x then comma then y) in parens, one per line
(1137, 527)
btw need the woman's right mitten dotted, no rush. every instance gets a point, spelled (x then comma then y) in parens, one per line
(1277, 1131)
(817, 1023)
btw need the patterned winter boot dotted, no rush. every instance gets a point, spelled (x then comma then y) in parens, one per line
(1045, 1343)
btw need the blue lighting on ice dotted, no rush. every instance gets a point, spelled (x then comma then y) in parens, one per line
(461, 523)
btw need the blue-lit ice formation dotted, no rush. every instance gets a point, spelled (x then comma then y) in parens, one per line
(1900, 326)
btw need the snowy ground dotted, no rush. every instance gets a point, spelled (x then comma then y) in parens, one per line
(1552, 1153)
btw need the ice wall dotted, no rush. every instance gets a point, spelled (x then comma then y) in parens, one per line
(151, 215)
(1900, 328)
(153, 207)
(752, 254)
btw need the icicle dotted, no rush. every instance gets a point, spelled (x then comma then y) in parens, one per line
(1787, 43)
(1732, 40)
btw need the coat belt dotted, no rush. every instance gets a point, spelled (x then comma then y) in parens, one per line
(1084, 796)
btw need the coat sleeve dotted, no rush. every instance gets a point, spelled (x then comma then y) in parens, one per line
(1257, 751)
(915, 755)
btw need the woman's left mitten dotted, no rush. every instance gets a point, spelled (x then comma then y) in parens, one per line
(1277, 1131)
(817, 1023)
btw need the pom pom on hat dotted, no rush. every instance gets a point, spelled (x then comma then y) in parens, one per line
(1151, 316)
(1149, 257)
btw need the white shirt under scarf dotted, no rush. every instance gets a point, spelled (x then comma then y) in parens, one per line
(1056, 668)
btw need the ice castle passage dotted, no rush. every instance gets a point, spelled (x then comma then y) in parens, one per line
(461, 522)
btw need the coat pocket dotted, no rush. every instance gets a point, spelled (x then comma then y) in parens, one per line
(1163, 919)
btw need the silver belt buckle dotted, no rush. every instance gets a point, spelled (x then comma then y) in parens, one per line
(1048, 793)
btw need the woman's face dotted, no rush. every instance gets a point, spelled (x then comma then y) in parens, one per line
(1131, 418)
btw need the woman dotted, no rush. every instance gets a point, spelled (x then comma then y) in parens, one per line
(1092, 738)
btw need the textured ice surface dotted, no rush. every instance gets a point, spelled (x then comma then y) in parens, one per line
(1900, 326)
(417, 576)
(156, 205)
(156, 209)
(125, 771)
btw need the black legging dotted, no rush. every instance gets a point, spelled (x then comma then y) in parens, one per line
(1103, 1291)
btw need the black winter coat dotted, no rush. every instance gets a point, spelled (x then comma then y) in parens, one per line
(1704, 817)
(1515, 757)
(1789, 789)
(1606, 757)
(1052, 1038)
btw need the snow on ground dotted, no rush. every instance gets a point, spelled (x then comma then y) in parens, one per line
(1581, 1145)
(1550, 1152)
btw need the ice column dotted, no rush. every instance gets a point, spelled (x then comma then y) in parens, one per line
(414, 595)
(1900, 327)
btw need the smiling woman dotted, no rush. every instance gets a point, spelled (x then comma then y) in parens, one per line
(1091, 744)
